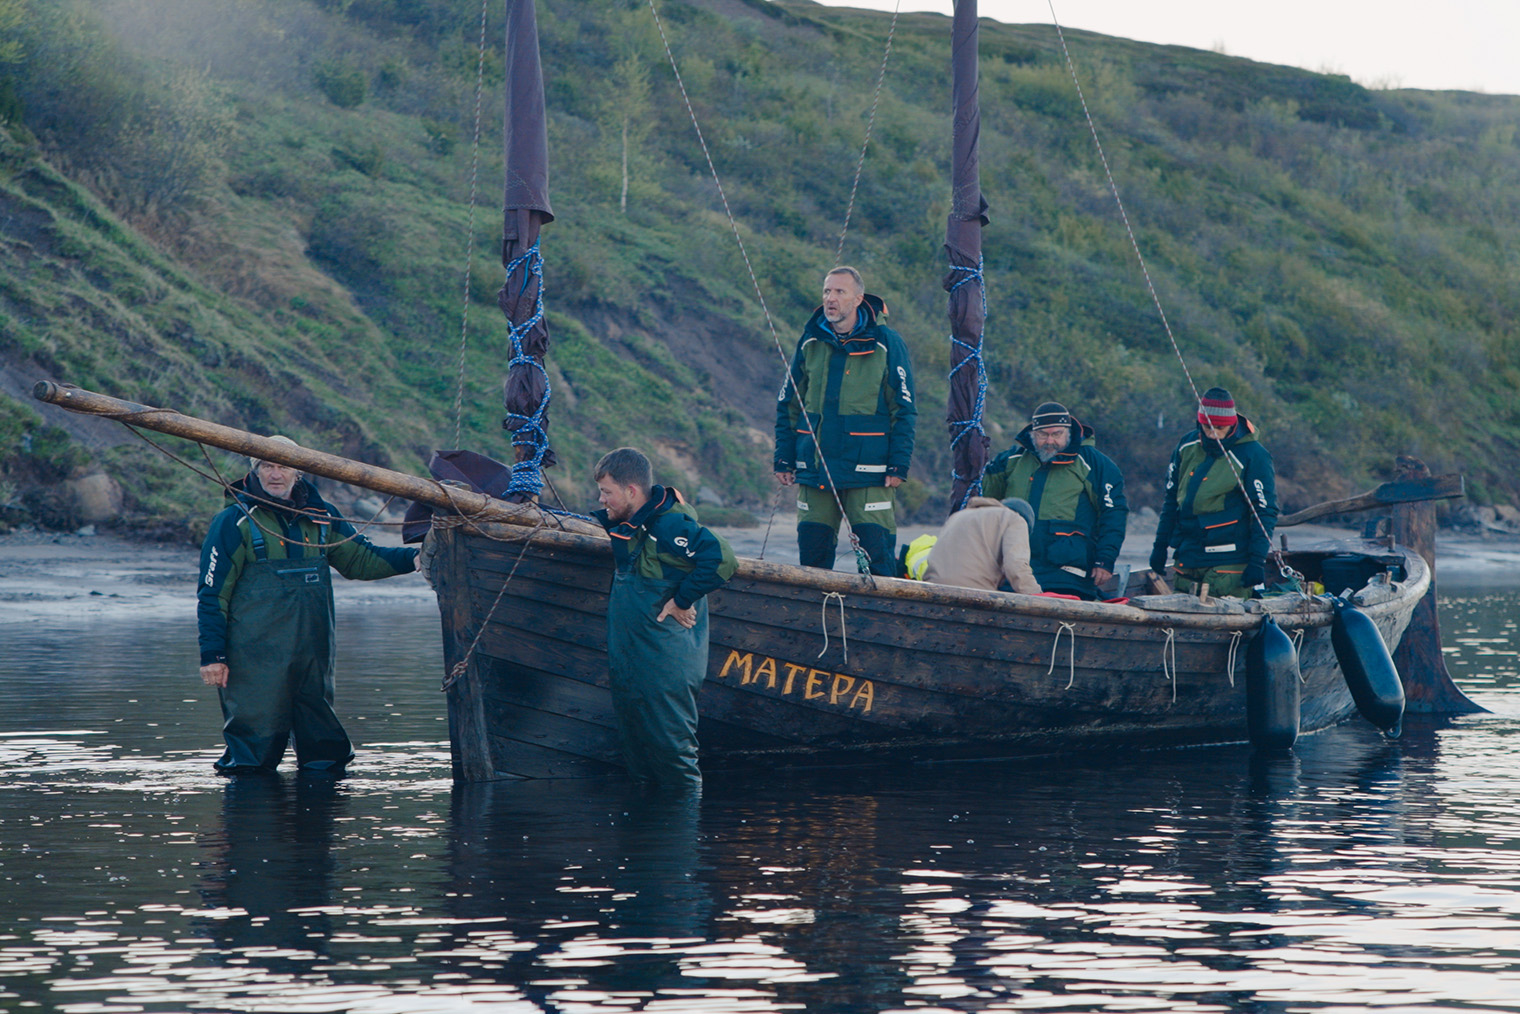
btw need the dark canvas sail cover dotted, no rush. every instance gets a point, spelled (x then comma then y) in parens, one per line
(526, 210)
(963, 248)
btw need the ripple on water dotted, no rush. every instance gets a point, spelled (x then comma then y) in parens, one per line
(1356, 874)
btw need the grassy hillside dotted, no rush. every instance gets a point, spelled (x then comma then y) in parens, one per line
(258, 211)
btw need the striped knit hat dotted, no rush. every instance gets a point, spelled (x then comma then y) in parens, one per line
(1217, 409)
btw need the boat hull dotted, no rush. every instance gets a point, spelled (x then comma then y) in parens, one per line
(812, 666)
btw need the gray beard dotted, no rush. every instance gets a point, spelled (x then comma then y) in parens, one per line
(1045, 455)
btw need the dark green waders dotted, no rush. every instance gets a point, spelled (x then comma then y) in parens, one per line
(656, 670)
(280, 657)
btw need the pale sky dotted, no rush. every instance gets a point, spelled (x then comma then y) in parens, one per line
(1469, 45)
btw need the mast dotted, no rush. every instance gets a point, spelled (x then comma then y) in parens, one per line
(525, 212)
(963, 250)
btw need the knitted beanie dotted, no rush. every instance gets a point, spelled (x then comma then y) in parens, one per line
(1217, 409)
(1051, 413)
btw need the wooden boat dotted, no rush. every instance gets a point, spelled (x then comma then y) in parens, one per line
(811, 666)
(816, 667)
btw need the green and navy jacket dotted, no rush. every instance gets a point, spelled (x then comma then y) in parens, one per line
(664, 542)
(857, 390)
(234, 540)
(1079, 507)
(1204, 515)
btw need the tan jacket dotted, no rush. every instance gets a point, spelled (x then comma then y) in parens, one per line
(982, 546)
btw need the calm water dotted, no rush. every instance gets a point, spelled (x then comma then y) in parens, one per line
(1357, 874)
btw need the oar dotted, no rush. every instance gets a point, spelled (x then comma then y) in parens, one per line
(1434, 487)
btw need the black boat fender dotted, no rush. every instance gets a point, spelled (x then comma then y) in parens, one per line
(1368, 668)
(1272, 681)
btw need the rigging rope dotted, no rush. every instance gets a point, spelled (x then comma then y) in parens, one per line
(469, 246)
(456, 673)
(881, 76)
(1151, 287)
(823, 621)
(1071, 652)
(862, 558)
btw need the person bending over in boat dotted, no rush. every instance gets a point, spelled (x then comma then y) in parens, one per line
(1077, 494)
(657, 616)
(1205, 515)
(985, 545)
(852, 378)
(265, 612)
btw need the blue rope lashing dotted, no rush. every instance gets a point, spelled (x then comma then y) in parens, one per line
(962, 427)
(528, 430)
(567, 514)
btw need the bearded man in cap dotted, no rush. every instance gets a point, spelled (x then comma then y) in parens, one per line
(265, 613)
(1220, 505)
(1077, 494)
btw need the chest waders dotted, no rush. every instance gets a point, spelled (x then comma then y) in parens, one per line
(280, 664)
(656, 670)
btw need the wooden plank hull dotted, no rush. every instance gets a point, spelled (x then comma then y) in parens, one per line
(810, 666)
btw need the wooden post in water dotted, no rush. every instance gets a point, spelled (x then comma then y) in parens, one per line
(1428, 686)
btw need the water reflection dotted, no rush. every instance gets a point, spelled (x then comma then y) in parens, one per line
(1355, 873)
(269, 870)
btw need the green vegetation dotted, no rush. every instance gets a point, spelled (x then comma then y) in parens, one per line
(257, 211)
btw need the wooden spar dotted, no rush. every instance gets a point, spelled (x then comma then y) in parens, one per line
(451, 499)
(1400, 491)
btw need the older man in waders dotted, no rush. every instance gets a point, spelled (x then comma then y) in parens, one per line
(657, 616)
(265, 612)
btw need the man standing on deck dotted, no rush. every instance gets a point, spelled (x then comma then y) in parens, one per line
(657, 616)
(845, 422)
(1220, 505)
(265, 612)
(1077, 494)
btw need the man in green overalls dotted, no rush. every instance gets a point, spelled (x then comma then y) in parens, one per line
(1220, 505)
(845, 422)
(265, 613)
(657, 616)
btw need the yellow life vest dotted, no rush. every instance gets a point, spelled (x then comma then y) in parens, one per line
(917, 557)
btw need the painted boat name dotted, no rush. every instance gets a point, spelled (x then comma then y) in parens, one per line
(813, 684)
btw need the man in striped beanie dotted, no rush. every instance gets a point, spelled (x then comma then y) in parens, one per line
(1220, 505)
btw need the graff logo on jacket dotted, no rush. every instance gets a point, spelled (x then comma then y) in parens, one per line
(211, 568)
(1261, 494)
(1108, 494)
(681, 541)
(902, 377)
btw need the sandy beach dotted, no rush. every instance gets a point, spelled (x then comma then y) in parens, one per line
(49, 575)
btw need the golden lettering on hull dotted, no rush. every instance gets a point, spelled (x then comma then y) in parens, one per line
(811, 684)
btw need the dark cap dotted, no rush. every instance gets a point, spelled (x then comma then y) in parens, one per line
(1022, 509)
(1052, 413)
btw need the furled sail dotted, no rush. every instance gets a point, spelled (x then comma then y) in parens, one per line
(963, 248)
(525, 211)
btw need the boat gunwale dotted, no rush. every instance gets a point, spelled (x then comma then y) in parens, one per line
(827, 581)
